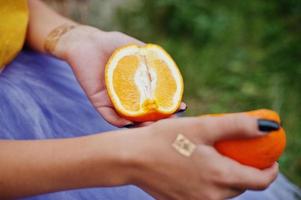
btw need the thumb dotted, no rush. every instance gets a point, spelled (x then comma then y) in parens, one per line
(235, 126)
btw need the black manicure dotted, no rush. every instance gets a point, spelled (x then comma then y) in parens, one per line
(267, 125)
(182, 110)
(129, 125)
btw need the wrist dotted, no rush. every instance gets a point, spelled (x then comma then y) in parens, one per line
(54, 36)
(135, 154)
(138, 155)
(75, 39)
(117, 157)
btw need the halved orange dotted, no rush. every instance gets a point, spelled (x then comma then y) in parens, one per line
(144, 83)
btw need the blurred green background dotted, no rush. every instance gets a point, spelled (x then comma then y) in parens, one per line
(234, 55)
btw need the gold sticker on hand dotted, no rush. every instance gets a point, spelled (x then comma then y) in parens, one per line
(183, 145)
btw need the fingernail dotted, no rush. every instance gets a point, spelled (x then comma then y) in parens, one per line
(130, 125)
(182, 110)
(267, 125)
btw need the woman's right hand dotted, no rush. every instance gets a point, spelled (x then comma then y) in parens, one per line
(166, 174)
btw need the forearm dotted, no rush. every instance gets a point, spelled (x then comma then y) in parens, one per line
(35, 167)
(42, 20)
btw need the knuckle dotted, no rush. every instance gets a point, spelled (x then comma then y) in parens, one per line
(244, 124)
(196, 121)
(239, 122)
(219, 174)
(227, 177)
(202, 123)
(193, 124)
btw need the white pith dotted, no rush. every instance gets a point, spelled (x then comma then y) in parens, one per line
(145, 77)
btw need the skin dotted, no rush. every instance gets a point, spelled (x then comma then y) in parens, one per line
(86, 49)
(119, 157)
(137, 156)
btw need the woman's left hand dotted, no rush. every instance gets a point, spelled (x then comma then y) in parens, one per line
(87, 50)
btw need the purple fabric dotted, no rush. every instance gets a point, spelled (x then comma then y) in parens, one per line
(40, 98)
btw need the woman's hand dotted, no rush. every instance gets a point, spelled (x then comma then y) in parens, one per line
(87, 50)
(168, 175)
(142, 156)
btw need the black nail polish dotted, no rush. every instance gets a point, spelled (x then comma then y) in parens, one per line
(182, 110)
(131, 125)
(267, 125)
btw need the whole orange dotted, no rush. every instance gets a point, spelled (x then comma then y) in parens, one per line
(259, 152)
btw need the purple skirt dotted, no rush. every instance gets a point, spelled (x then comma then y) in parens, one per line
(40, 98)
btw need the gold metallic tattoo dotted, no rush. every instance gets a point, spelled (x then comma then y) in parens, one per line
(183, 145)
(54, 36)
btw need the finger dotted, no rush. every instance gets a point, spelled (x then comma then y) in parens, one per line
(135, 41)
(173, 116)
(237, 125)
(103, 104)
(122, 39)
(144, 124)
(138, 125)
(101, 99)
(182, 108)
(256, 179)
(245, 177)
(112, 117)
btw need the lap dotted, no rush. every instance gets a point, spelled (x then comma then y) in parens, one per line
(39, 99)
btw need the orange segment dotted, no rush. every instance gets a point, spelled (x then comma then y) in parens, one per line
(143, 83)
(164, 95)
(128, 94)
